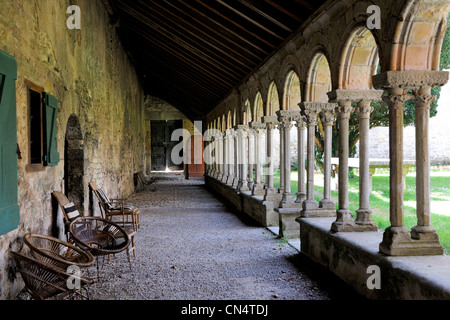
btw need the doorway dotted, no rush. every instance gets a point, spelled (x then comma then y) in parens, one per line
(161, 145)
(74, 163)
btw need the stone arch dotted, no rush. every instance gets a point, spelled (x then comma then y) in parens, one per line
(418, 36)
(318, 82)
(258, 107)
(291, 93)
(224, 122)
(273, 101)
(359, 60)
(74, 184)
(229, 120)
(247, 112)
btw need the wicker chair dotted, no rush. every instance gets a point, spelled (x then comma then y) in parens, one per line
(69, 217)
(99, 236)
(55, 252)
(117, 207)
(45, 281)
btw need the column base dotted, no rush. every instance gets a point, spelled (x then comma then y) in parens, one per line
(258, 190)
(327, 204)
(242, 186)
(397, 241)
(344, 221)
(311, 209)
(289, 227)
(272, 195)
(288, 201)
(301, 196)
(364, 221)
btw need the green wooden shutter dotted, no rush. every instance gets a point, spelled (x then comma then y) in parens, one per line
(51, 154)
(9, 209)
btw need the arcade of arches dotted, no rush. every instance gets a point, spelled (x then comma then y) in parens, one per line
(316, 81)
(332, 67)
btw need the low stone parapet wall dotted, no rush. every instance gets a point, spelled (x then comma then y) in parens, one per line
(355, 258)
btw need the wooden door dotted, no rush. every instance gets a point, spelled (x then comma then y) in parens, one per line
(161, 144)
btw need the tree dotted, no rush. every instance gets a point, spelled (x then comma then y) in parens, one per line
(380, 116)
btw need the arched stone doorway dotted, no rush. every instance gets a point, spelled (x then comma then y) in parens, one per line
(74, 163)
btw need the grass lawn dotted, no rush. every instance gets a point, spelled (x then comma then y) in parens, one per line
(379, 199)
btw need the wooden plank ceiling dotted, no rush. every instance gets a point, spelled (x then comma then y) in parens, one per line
(192, 53)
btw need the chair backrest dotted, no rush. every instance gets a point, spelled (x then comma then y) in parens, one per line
(70, 212)
(103, 199)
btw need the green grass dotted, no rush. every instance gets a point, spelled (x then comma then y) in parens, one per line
(379, 199)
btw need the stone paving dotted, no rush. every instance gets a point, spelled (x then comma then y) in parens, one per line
(191, 247)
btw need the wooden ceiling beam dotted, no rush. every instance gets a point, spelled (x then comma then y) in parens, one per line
(186, 57)
(250, 20)
(178, 18)
(203, 3)
(247, 41)
(177, 72)
(222, 52)
(283, 10)
(265, 15)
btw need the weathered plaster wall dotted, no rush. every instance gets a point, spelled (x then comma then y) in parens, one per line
(91, 76)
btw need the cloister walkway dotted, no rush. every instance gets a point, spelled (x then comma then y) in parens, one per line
(191, 247)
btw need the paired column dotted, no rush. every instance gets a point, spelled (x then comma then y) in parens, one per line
(229, 156)
(423, 239)
(363, 98)
(242, 139)
(236, 157)
(328, 116)
(285, 118)
(250, 156)
(363, 214)
(344, 220)
(301, 128)
(310, 111)
(258, 186)
(271, 193)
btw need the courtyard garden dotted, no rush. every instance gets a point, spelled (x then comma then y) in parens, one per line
(379, 198)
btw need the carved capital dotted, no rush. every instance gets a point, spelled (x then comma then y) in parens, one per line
(424, 99)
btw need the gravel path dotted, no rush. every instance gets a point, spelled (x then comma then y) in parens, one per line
(191, 247)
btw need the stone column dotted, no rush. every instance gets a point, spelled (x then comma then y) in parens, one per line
(328, 118)
(270, 193)
(242, 138)
(214, 154)
(236, 157)
(310, 111)
(396, 238)
(258, 187)
(250, 156)
(423, 230)
(281, 155)
(344, 220)
(363, 214)
(284, 118)
(230, 153)
(224, 150)
(300, 124)
(220, 155)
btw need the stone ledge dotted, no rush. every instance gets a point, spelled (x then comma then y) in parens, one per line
(349, 254)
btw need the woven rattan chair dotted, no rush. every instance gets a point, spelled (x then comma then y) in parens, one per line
(127, 215)
(44, 281)
(69, 217)
(99, 236)
(55, 252)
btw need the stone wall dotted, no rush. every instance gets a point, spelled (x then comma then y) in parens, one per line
(90, 74)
